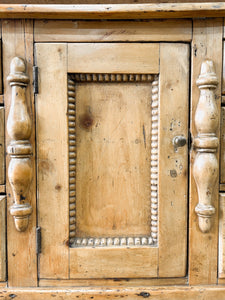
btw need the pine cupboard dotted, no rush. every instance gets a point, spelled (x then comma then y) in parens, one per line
(112, 151)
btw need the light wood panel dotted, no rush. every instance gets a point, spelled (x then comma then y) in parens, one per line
(2, 238)
(113, 262)
(222, 147)
(52, 159)
(2, 189)
(115, 58)
(128, 282)
(113, 159)
(17, 40)
(221, 261)
(95, 31)
(2, 145)
(136, 293)
(207, 43)
(114, 11)
(173, 163)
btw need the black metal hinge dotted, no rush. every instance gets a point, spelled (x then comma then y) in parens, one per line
(38, 240)
(189, 140)
(35, 78)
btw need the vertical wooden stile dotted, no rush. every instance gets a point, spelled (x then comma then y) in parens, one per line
(17, 40)
(206, 44)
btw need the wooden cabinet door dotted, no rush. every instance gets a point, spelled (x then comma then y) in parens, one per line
(112, 159)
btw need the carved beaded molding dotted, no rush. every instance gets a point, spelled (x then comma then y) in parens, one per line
(113, 241)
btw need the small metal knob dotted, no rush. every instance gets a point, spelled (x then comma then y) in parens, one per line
(179, 141)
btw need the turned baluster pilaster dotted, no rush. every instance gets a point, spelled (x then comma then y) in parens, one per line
(206, 143)
(19, 149)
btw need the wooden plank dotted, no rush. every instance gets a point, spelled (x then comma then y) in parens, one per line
(174, 88)
(207, 43)
(222, 187)
(115, 58)
(2, 145)
(95, 31)
(2, 238)
(223, 75)
(223, 100)
(221, 261)
(1, 99)
(113, 262)
(113, 11)
(112, 191)
(17, 37)
(113, 282)
(101, 1)
(222, 146)
(136, 293)
(1, 88)
(52, 159)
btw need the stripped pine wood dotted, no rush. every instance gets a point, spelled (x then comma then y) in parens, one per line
(3, 238)
(207, 43)
(222, 147)
(17, 37)
(173, 162)
(1, 99)
(157, 293)
(115, 58)
(128, 282)
(95, 31)
(52, 160)
(2, 145)
(221, 262)
(116, 11)
(113, 263)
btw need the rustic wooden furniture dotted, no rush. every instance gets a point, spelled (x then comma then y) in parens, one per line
(112, 151)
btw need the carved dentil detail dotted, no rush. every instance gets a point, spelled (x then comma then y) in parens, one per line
(206, 167)
(19, 149)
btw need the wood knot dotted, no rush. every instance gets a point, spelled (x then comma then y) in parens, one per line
(86, 121)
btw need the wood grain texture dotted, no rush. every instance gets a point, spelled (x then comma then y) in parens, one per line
(157, 293)
(115, 58)
(52, 159)
(17, 38)
(113, 263)
(112, 196)
(221, 260)
(95, 31)
(114, 11)
(173, 86)
(3, 238)
(128, 282)
(207, 43)
(2, 145)
(102, 1)
(222, 146)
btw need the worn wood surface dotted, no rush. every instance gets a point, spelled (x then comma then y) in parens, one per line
(17, 40)
(114, 11)
(222, 147)
(207, 43)
(95, 31)
(112, 197)
(173, 163)
(221, 261)
(101, 1)
(2, 145)
(113, 58)
(113, 282)
(3, 238)
(113, 262)
(52, 159)
(154, 293)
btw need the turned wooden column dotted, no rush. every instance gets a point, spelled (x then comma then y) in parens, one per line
(20, 149)
(206, 144)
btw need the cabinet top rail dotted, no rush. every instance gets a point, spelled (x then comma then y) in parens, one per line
(113, 11)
